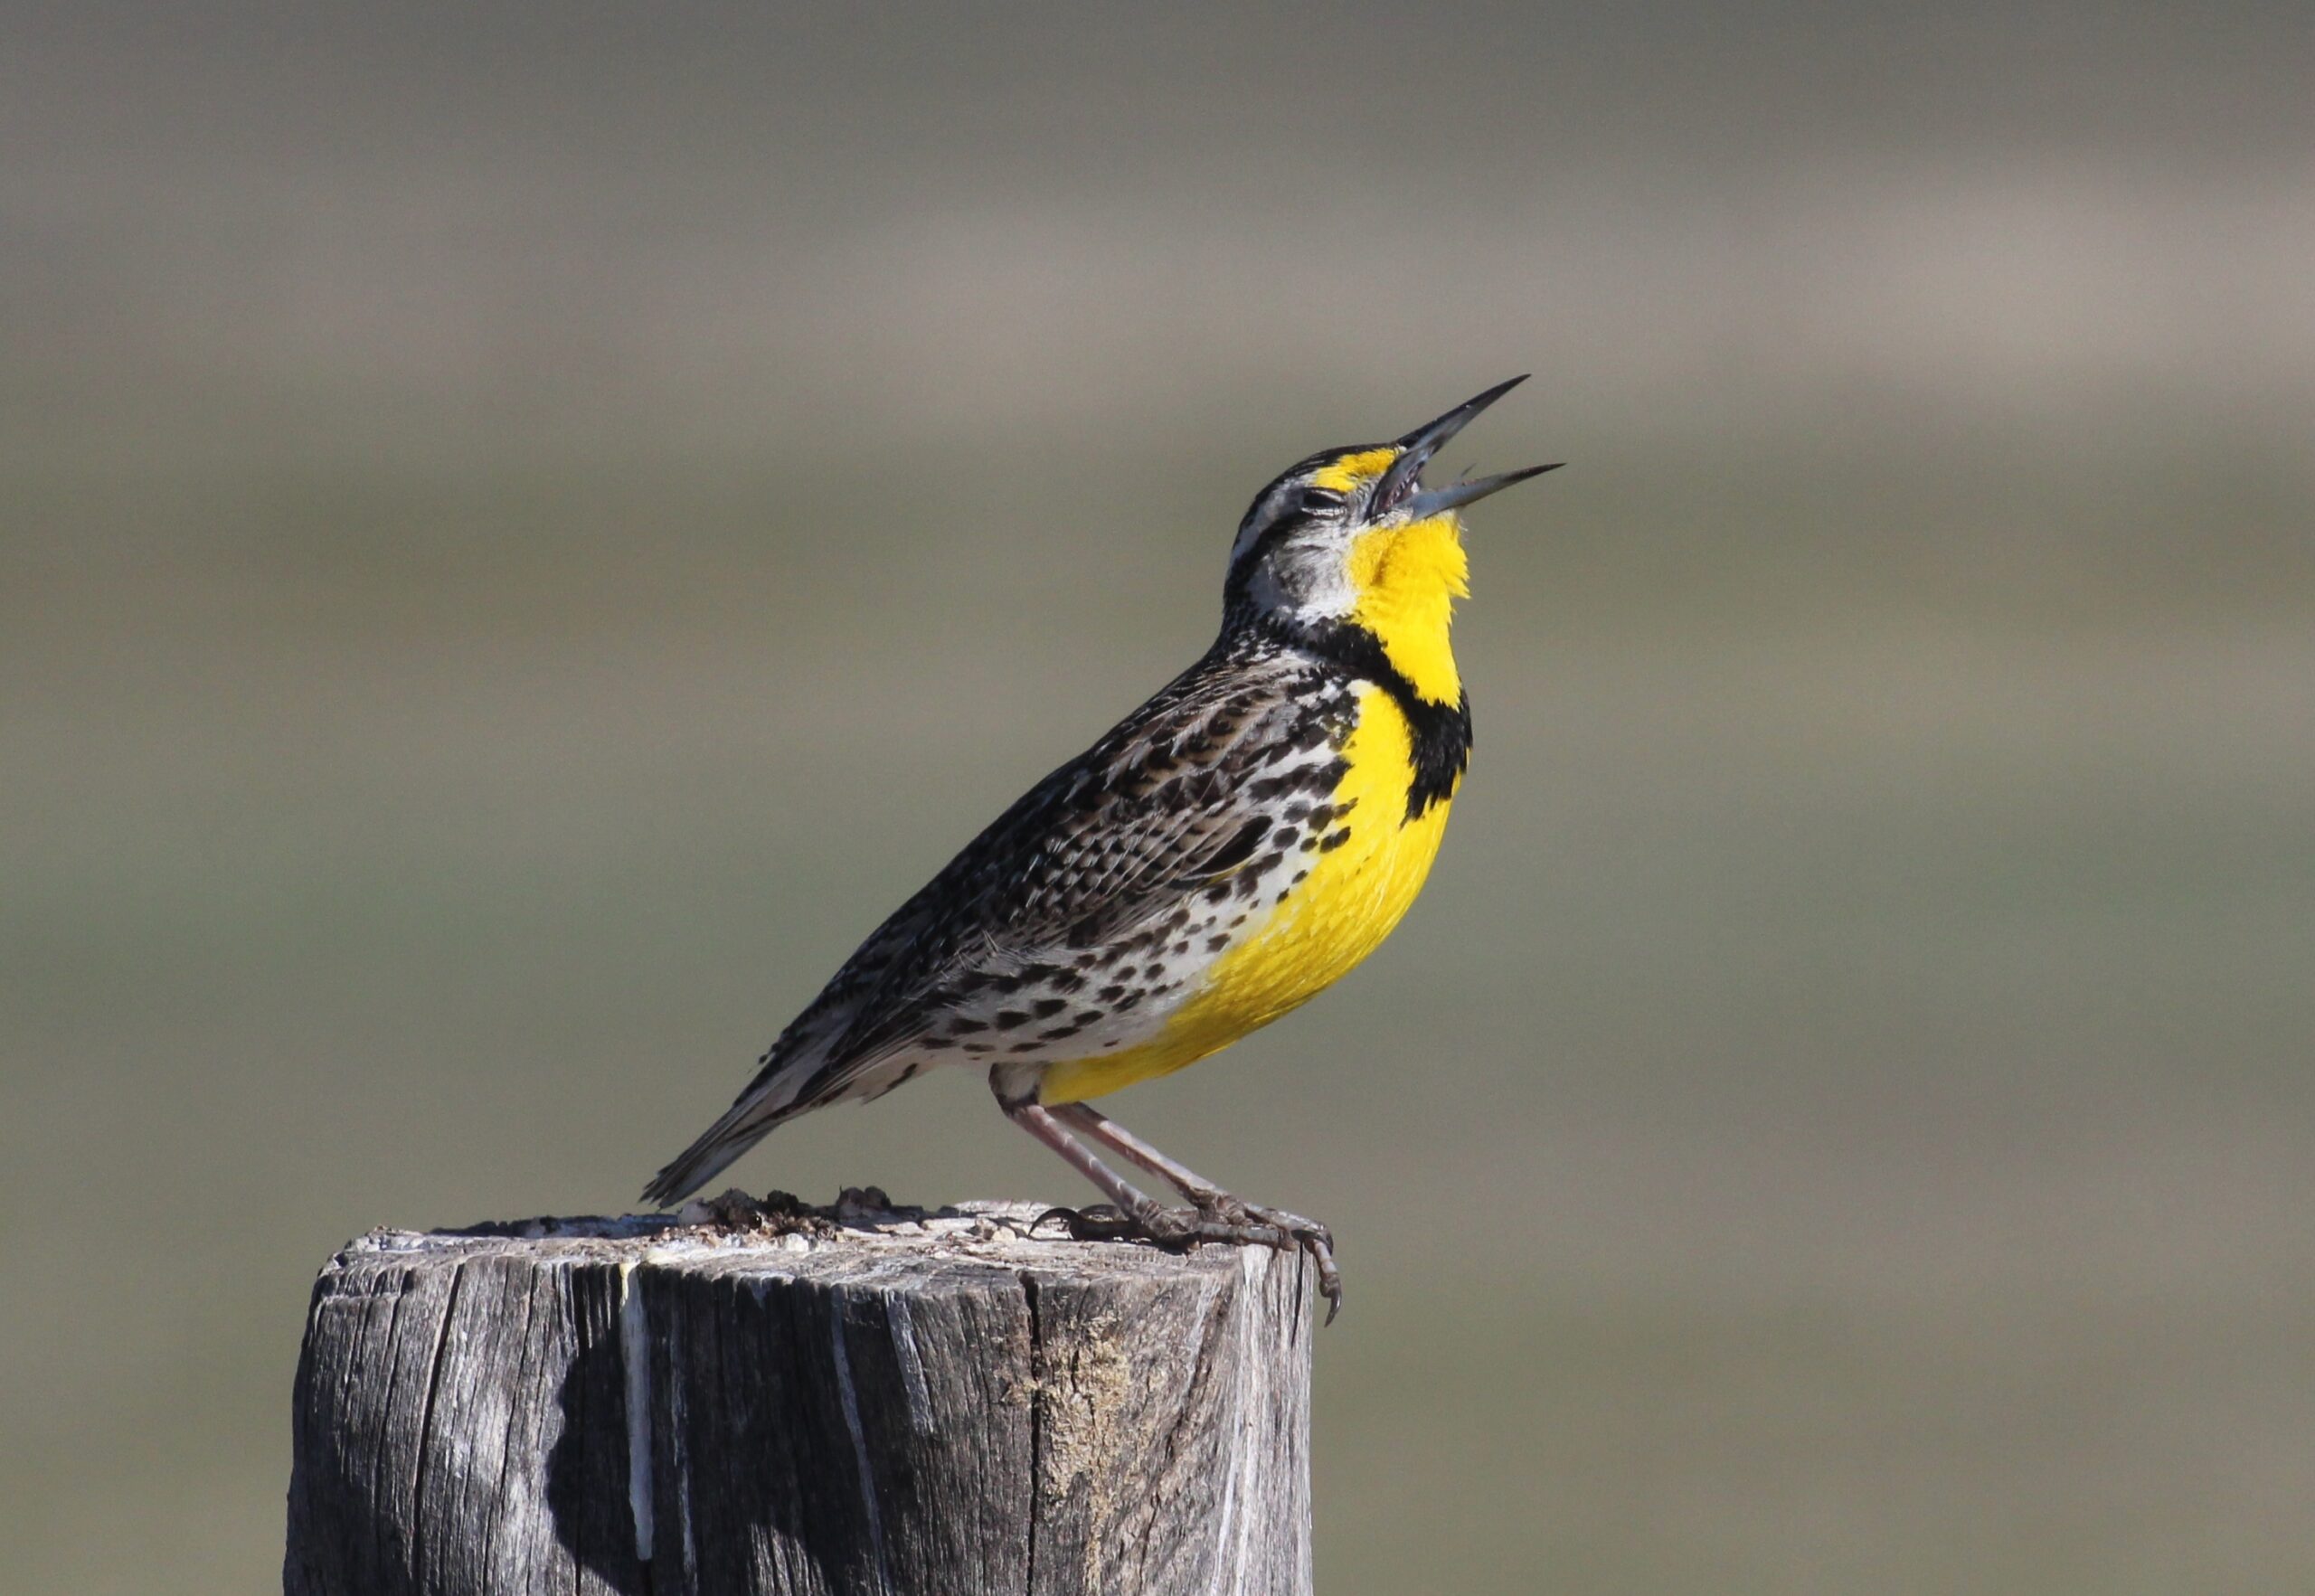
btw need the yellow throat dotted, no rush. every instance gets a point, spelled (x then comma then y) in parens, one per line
(1407, 579)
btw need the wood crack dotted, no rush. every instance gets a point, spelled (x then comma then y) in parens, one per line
(1036, 1422)
(426, 1422)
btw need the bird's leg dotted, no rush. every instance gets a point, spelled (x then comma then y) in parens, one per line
(1210, 1199)
(1130, 1200)
(1144, 1214)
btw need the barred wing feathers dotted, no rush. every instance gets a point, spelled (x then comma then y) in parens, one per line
(1110, 841)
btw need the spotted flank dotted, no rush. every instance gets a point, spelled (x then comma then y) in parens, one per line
(1092, 911)
(1222, 855)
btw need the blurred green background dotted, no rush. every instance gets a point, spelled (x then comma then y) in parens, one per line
(525, 530)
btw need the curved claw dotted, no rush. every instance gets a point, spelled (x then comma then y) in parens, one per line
(1293, 1231)
(1097, 1222)
(1329, 1278)
(1311, 1236)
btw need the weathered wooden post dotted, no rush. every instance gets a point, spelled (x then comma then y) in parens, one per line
(796, 1401)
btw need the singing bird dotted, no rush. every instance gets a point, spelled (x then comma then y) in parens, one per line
(1222, 855)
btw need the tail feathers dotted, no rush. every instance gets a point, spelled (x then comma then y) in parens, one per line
(744, 1124)
(792, 1083)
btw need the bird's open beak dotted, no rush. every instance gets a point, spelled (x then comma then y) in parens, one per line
(1401, 487)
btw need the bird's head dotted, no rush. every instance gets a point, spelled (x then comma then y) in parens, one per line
(1354, 537)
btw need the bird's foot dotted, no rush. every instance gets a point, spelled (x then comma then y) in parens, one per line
(1096, 1222)
(1309, 1234)
(1213, 1217)
(1172, 1228)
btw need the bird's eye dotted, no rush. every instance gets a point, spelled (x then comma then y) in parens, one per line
(1318, 501)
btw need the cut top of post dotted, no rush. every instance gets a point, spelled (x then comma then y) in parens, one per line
(848, 1242)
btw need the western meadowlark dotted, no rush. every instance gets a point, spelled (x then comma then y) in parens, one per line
(1224, 854)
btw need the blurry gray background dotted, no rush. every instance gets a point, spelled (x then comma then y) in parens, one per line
(525, 530)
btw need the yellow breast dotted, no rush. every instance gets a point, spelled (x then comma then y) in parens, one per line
(1356, 893)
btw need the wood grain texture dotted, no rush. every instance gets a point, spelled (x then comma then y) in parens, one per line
(900, 1404)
